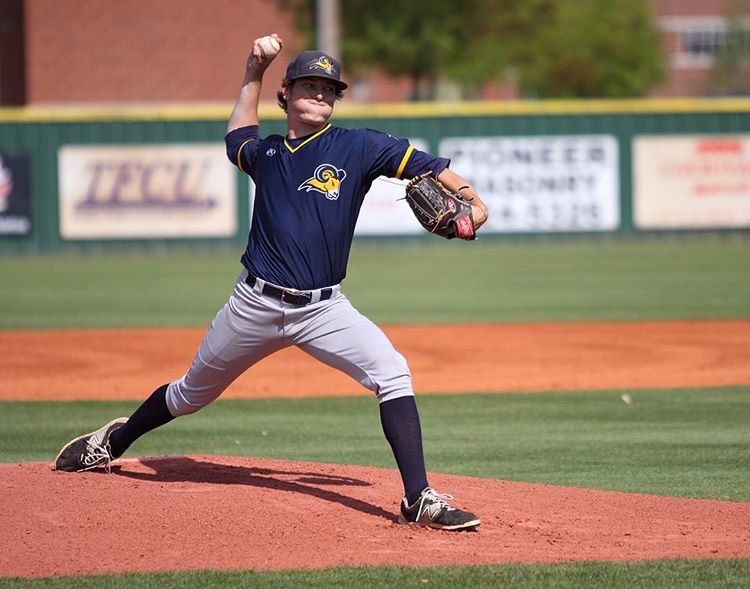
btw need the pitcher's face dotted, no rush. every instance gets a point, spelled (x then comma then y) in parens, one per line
(310, 100)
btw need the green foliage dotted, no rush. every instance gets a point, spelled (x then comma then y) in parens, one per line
(697, 574)
(608, 49)
(691, 443)
(564, 48)
(401, 37)
(731, 70)
(405, 39)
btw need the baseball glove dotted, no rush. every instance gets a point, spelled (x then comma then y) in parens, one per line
(438, 210)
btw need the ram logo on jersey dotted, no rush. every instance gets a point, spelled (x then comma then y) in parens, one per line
(326, 180)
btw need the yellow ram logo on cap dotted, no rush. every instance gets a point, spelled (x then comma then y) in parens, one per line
(324, 64)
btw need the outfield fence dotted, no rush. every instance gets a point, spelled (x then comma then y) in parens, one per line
(90, 179)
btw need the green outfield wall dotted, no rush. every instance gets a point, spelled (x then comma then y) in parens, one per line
(155, 177)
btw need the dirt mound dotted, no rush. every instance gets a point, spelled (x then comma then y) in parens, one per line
(198, 512)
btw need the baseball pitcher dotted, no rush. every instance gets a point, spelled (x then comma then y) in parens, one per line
(310, 184)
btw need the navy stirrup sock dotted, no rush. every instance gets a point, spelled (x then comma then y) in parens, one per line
(152, 413)
(400, 420)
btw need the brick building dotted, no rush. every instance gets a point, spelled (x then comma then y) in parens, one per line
(145, 51)
(693, 31)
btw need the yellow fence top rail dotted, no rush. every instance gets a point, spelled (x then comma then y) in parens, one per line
(269, 111)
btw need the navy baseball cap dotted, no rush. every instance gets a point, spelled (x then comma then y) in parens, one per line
(315, 64)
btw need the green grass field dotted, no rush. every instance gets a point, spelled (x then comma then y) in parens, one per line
(697, 278)
(699, 574)
(692, 443)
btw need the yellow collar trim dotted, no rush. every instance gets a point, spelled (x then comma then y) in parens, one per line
(306, 141)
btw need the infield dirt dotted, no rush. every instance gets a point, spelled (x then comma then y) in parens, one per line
(110, 364)
(196, 512)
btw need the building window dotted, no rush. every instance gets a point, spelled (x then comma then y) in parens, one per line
(696, 41)
(701, 43)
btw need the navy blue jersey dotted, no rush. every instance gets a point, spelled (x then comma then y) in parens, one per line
(308, 195)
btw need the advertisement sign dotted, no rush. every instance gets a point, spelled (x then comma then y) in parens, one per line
(146, 191)
(15, 197)
(542, 184)
(691, 181)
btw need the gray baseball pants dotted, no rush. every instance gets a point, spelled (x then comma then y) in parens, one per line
(252, 325)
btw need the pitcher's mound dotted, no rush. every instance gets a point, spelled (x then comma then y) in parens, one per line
(216, 512)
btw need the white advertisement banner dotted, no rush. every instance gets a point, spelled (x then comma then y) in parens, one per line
(146, 191)
(542, 184)
(691, 182)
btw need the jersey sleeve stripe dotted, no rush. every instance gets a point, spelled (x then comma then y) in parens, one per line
(239, 155)
(404, 161)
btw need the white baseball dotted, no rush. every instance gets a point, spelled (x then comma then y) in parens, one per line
(269, 46)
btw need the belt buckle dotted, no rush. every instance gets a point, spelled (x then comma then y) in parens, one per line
(299, 299)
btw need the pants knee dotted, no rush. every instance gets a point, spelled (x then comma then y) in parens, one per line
(395, 382)
(181, 402)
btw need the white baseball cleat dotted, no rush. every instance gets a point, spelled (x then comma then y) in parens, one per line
(88, 451)
(433, 510)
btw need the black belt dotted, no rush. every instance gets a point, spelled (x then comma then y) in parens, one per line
(298, 299)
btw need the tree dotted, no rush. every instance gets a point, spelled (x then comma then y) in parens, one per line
(598, 48)
(731, 70)
(409, 41)
(555, 48)
(401, 37)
